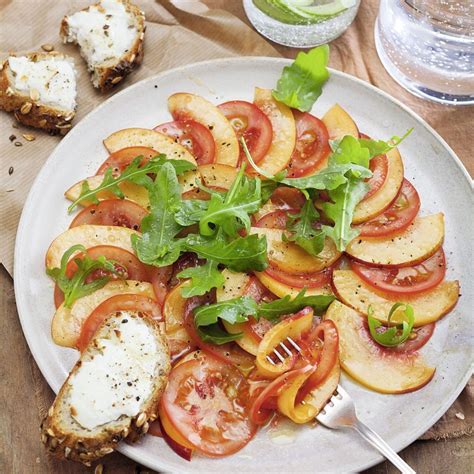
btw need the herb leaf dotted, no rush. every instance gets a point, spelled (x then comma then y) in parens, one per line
(203, 279)
(395, 335)
(301, 83)
(301, 229)
(134, 172)
(75, 287)
(236, 310)
(157, 244)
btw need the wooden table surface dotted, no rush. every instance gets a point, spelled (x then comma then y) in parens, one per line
(25, 396)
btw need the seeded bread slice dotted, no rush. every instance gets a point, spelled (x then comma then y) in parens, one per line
(61, 431)
(26, 102)
(99, 40)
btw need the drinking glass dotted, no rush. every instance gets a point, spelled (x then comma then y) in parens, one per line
(427, 46)
(302, 35)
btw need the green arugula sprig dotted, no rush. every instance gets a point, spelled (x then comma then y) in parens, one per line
(239, 310)
(76, 287)
(394, 335)
(134, 172)
(302, 82)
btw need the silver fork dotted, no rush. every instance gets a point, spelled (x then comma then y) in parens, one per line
(340, 413)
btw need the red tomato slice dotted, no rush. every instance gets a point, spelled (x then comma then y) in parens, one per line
(160, 278)
(312, 145)
(304, 280)
(119, 160)
(112, 305)
(127, 264)
(207, 403)
(118, 212)
(288, 198)
(379, 167)
(193, 136)
(230, 352)
(406, 280)
(274, 220)
(250, 122)
(397, 217)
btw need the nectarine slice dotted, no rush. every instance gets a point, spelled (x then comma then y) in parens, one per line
(428, 306)
(217, 175)
(384, 196)
(189, 106)
(339, 123)
(67, 322)
(284, 131)
(372, 365)
(421, 239)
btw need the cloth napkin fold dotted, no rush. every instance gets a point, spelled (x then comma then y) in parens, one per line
(178, 32)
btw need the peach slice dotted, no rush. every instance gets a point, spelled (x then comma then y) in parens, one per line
(421, 239)
(235, 286)
(384, 196)
(371, 365)
(428, 306)
(284, 131)
(339, 123)
(149, 138)
(290, 258)
(217, 175)
(281, 290)
(194, 107)
(67, 322)
(88, 236)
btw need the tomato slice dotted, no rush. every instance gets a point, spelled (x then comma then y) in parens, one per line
(405, 280)
(116, 303)
(379, 167)
(312, 145)
(274, 220)
(207, 403)
(160, 278)
(127, 264)
(118, 212)
(304, 280)
(397, 217)
(193, 136)
(250, 122)
(287, 198)
(120, 159)
(230, 352)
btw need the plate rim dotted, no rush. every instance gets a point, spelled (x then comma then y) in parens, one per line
(130, 451)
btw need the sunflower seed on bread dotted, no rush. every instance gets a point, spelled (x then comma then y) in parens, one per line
(40, 89)
(112, 392)
(110, 37)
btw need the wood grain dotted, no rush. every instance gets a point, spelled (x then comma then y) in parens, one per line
(24, 394)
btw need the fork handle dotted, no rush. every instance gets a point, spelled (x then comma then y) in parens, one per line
(375, 440)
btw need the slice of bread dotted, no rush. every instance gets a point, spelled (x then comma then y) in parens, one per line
(112, 392)
(110, 36)
(40, 89)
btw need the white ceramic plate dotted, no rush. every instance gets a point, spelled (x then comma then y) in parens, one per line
(430, 164)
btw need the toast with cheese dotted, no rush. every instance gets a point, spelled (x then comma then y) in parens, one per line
(112, 392)
(110, 37)
(40, 89)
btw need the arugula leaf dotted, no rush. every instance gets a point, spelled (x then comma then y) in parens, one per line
(75, 287)
(191, 211)
(395, 335)
(240, 255)
(301, 229)
(238, 310)
(341, 210)
(379, 147)
(231, 211)
(134, 172)
(274, 309)
(157, 244)
(203, 279)
(301, 83)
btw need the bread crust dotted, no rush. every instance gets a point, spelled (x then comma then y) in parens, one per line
(53, 120)
(106, 78)
(63, 443)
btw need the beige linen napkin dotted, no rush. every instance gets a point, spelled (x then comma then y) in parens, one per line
(178, 32)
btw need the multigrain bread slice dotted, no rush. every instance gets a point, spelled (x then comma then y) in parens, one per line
(112, 392)
(110, 37)
(40, 90)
